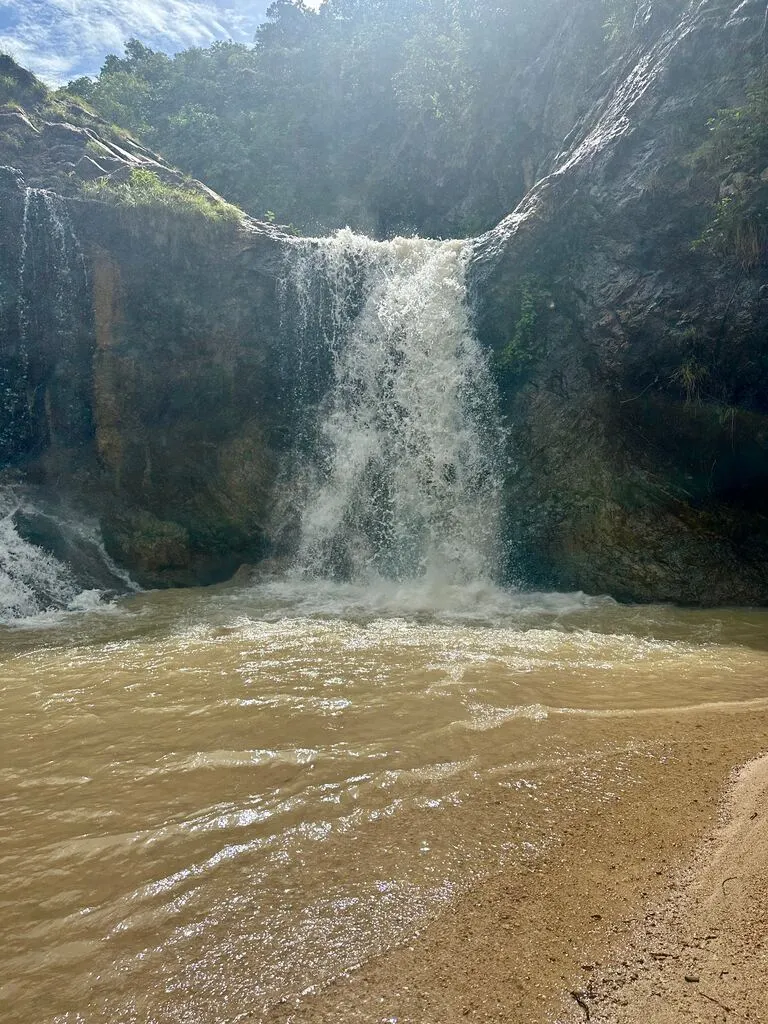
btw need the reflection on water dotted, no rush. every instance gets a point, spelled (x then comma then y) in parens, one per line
(211, 800)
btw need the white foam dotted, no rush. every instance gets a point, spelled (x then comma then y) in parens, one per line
(427, 597)
(36, 587)
(31, 580)
(403, 479)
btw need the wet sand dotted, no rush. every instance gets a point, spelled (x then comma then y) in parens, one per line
(702, 955)
(665, 884)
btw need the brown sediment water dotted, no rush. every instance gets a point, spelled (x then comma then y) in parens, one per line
(213, 803)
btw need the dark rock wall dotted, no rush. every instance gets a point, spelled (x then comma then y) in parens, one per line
(142, 373)
(186, 374)
(633, 360)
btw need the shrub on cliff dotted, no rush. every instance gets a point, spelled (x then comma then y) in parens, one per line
(736, 152)
(144, 188)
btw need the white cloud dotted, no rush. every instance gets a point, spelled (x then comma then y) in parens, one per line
(59, 39)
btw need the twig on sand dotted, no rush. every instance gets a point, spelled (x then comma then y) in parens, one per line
(730, 878)
(728, 1009)
(579, 997)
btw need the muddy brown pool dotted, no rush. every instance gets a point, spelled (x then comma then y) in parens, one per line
(213, 800)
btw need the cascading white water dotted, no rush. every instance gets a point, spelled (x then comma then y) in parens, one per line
(402, 478)
(33, 580)
(50, 257)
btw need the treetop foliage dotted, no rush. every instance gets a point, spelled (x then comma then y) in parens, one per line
(387, 115)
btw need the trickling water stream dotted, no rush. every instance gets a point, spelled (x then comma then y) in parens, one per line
(52, 271)
(45, 392)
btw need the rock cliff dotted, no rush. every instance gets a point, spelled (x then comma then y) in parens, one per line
(140, 347)
(627, 302)
(146, 365)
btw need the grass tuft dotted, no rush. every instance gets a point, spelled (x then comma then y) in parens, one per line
(145, 189)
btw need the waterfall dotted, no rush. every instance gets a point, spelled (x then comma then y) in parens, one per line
(51, 262)
(398, 473)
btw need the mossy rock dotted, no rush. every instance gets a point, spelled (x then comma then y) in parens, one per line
(155, 549)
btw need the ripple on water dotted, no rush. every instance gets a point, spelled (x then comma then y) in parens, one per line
(213, 794)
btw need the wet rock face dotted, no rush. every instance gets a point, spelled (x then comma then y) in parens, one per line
(633, 357)
(140, 367)
(187, 417)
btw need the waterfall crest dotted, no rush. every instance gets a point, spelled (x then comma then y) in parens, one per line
(400, 473)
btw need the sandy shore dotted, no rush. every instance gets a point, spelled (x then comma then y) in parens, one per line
(702, 956)
(651, 908)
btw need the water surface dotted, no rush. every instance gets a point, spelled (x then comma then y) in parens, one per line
(212, 800)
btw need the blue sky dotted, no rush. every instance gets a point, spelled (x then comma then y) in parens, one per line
(60, 39)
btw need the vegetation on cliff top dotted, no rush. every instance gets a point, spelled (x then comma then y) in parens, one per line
(390, 116)
(21, 91)
(144, 188)
(19, 87)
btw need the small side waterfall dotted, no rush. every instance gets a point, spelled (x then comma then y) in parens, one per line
(51, 263)
(51, 559)
(399, 475)
(51, 330)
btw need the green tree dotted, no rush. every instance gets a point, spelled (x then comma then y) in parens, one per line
(388, 115)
